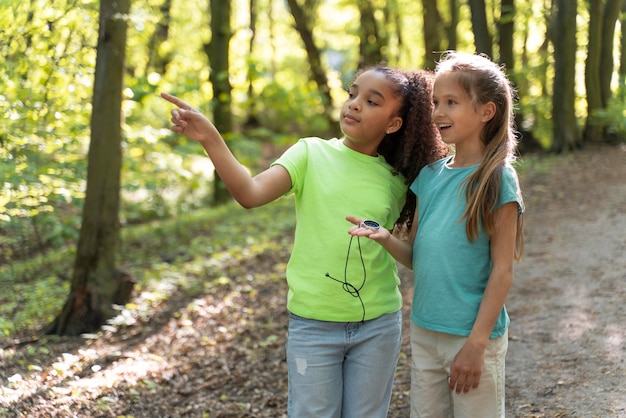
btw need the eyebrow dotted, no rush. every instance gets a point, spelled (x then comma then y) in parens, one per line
(445, 96)
(371, 91)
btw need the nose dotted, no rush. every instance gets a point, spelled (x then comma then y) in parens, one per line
(354, 105)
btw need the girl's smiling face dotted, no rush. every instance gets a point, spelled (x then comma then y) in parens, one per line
(459, 120)
(370, 112)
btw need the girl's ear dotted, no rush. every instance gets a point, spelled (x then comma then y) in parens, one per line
(394, 125)
(488, 111)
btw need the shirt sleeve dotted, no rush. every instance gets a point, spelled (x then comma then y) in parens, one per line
(510, 190)
(294, 160)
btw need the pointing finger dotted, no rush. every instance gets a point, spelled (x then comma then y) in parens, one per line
(176, 101)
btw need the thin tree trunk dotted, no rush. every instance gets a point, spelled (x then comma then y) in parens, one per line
(315, 60)
(159, 60)
(593, 88)
(217, 51)
(96, 284)
(432, 36)
(505, 30)
(482, 37)
(451, 28)
(609, 19)
(565, 128)
(252, 118)
(622, 56)
(371, 43)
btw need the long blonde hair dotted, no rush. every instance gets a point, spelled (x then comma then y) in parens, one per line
(485, 81)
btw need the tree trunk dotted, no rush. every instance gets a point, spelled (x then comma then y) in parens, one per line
(506, 25)
(505, 31)
(394, 27)
(609, 19)
(158, 60)
(565, 128)
(480, 27)
(371, 42)
(451, 28)
(432, 35)
(622, 56)
(315, 60)
(252, 120)
(217, 51)
(593, 88)
(96, 285)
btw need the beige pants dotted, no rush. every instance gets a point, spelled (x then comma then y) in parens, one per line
(432, 354)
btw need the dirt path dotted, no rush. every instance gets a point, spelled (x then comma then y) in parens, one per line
(222, 353)
(567, 345)
(568, 334)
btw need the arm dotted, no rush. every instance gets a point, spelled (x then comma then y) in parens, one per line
(399, 249)
(467, 365)
(247, 190)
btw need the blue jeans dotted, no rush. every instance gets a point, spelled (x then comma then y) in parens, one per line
(342, 369)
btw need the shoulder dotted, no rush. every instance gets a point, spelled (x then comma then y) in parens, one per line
(318, 142)
(434, 167)
(428, 173)
(440, 162)
(510, 190)
(509, 175)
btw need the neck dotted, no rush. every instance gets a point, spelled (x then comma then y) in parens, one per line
(464, 157)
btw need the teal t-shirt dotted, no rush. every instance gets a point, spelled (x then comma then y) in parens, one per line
(451, 273)
(331, 181)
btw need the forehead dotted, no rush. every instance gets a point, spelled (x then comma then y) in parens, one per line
(375, 81)
(447, 84)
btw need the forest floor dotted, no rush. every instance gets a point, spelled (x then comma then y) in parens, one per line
(221, 354)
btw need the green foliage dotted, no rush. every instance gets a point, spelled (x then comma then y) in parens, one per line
(614, 116)
(45, 104)
(276, 111)
(191, 253)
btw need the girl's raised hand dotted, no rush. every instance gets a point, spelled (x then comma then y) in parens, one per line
(189, 121)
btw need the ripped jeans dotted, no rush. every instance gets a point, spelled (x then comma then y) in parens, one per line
(342, 369)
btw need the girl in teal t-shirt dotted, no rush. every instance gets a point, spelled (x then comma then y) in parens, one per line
(344, 330)
(466, 235)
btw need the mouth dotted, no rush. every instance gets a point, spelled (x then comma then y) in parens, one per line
(444, 126)
(349, 118)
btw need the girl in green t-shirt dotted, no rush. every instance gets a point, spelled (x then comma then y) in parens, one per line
(344, 330)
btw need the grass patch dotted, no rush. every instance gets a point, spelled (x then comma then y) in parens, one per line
(190, 253)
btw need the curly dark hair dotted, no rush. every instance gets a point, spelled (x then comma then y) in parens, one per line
(417, 143)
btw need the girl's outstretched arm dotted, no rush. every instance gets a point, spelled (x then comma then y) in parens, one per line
(247, 190)
(466, 368)
(399, 249)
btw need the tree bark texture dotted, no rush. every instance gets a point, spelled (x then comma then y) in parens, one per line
(565, 128)
(315, 60)
(451, 28)
(505, 31)
(371, 42)
(593, 88)
(482, 38)
(217, 51)
(96, 284)
(433, 39)
(609, 19)
(158, 60)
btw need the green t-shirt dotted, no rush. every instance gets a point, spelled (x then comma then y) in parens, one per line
(331, 181)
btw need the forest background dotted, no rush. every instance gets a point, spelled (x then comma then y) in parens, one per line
(82, 117)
